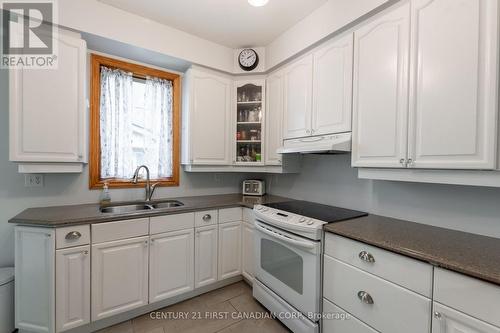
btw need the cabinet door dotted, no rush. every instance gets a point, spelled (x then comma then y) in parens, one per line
(72, 287)
(119, 276)
(210, 119)
(380, 95)
(274, 118)
(247, 248)
(453, 94)
(332, 87)
(171, 264)
(229, 250)
(298, 98)
(447, 320)
(42, 130)
(205, 258)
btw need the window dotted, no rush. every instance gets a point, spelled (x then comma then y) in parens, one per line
(134, 121)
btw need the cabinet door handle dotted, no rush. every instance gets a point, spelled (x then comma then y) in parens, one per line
(410, 162)
(365, 256)
(207, 217)
(437, 315)
(73, 235)
(86, 253)
(365, 297)
(402, 161)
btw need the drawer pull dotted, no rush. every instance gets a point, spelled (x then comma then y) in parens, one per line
(437, 315)
(365, 256)
(73, 235)
(365, 297)
(207, 217)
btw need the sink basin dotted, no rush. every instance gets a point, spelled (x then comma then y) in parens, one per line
(126, 208)
(167, 204)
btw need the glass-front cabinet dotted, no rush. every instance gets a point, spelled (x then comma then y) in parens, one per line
(250, 117)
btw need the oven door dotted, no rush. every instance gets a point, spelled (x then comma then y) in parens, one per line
(289, 265)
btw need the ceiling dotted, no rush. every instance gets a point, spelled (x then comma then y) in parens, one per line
(233, 23)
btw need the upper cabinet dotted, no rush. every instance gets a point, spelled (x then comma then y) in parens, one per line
(332, 87)
(206, 120)
(380, 94)
(48, 115)
(446, 117)
(297, 80)
(274, 118)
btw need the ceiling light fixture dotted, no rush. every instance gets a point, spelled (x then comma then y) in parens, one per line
(258, 3)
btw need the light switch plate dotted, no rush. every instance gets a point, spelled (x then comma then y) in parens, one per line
(33, 180)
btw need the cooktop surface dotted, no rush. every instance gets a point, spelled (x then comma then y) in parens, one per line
(317, 211)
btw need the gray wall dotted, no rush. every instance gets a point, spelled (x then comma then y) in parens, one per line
(73, 189)
(329, 179)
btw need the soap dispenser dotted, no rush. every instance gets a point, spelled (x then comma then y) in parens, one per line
(105, 196)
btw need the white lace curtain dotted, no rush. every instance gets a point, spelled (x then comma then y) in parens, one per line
(117, 128)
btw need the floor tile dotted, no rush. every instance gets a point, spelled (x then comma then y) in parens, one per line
(246, 303)
(226, 293)
(260, 326)
(125, 327)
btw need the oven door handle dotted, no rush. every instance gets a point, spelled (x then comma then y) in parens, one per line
(304, 244)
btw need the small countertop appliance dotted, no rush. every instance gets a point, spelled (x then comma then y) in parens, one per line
(254, 187)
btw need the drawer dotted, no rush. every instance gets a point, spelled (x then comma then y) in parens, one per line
(111, 231)
(248, 215)
(206, 217)
(72, 236)
(474, 297)
(161, 224)
(406, 272)
(230, 214)
(333, 323)
(409, 312)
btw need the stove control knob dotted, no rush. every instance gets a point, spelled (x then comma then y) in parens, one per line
(265, 209)
(259, 208)
(302, 220)
(310, 222)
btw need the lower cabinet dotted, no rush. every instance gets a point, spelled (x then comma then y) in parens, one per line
(171, 264)
(247, 250)
(342, 322)
(72, 287)
(229, 250)
(119, 276)
(447, 320)
(205, 258)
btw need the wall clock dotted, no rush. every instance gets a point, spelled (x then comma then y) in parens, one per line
(248, 59)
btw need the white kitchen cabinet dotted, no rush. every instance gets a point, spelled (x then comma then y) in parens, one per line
(274, 122)
(229, 250)
(48, 117)
(205, 258)
(380, 94)
(72, 287)
(332, 87)
(119, 276)
(453, 84)
(206, 118)
(171, 264)
(35, 281)
(448, 320)
(247, 250)
(297, 83)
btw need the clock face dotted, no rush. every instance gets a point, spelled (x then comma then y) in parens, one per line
(248, 59)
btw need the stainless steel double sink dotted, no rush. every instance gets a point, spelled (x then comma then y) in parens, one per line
(142, 206)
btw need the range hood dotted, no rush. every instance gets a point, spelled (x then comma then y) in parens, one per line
(334, 143)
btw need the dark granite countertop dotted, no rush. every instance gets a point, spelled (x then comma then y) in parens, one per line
(60, 216)
(474, 255)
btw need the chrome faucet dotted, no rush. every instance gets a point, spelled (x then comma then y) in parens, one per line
(150, 189)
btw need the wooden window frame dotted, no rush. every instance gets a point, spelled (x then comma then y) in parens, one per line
(138, 71)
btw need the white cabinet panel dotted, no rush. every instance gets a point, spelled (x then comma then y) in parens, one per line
(72, 287)
(447, 320)
(35, 282)
(229, 250)
(48, 108)
(119, 276)
(345, 324)
(298, 98)
(332, 87)
(380, 94)
(209, 118)
(274, 116)
(453, 81)
(205, 258)
(247, 250)
(171, 264)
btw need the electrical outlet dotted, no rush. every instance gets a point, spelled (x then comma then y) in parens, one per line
(33, 180)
